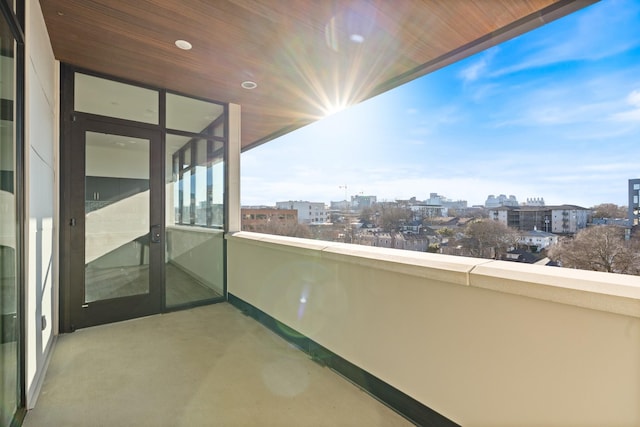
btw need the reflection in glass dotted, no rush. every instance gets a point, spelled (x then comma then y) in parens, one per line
(196, 168)
(194, 220)
(116, 216)
(185, 196)
(115, 99)
(8, 231)
(194, 115)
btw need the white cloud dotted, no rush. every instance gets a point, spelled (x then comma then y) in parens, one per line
(634, 98)
(633, 115)
(479, 67)
(590, 37)
(472, 72)
(627, 116)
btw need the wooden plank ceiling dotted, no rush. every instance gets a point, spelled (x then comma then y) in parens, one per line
(307, 56)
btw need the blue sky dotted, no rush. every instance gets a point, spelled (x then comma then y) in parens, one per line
(554, 113)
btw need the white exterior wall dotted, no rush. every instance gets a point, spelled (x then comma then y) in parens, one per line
(308, 212)
(499, 215)
(540, 242)
(41, 170)
(577, 220)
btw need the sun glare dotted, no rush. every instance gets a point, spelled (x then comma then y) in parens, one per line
(330, 110)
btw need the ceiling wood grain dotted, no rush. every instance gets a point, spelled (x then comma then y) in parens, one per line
(300, 52)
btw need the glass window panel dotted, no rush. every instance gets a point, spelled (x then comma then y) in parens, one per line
(219, 130)
(185, 196)
(202, 184)
(201, 205)
(194, 268)
(186, 160)
(194, 115)
(201, 152)
(116, 216)
(217, 195)
(115, 99)
(8, 255)
(174, 149)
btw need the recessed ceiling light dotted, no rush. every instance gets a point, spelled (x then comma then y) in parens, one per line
(356, 38)
(183, 44)
(248, 84)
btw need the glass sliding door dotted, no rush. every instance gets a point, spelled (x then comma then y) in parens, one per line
(9, 249)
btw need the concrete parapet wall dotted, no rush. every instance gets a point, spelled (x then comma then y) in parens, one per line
(482, 342)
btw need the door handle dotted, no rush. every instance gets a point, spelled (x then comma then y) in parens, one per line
(155, 234)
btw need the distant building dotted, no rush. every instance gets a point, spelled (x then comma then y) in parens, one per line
(253, 218)
(618, 222)
(562, 219)
(384, 240)
(361, 202)
(500, 201)
(422, 211)
(308, 212)
(436, 199)
(413, 227)
(411, 242)
(341, 205)
(634, 202)
(539, 239)
(536, 201)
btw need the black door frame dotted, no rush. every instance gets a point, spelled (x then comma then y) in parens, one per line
(69, 121)
(111, 310)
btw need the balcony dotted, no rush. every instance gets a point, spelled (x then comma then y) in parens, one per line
(209, 366)
(480, 342)
(444, 340)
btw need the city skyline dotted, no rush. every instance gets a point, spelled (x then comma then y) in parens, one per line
(554, 113)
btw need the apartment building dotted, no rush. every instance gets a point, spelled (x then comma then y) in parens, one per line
(634, 202)
(254, 218)
(308, 212)
(560, 219)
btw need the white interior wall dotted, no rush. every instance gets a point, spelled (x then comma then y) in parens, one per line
(41, 188)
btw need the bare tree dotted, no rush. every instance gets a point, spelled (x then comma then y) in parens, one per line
(284, 228)
(609, 210)
(366, 214)
(599, 248)
(445, 232)
(487, 238)
(392, 218)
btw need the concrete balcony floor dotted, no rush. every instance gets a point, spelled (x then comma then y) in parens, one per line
(208, 366)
